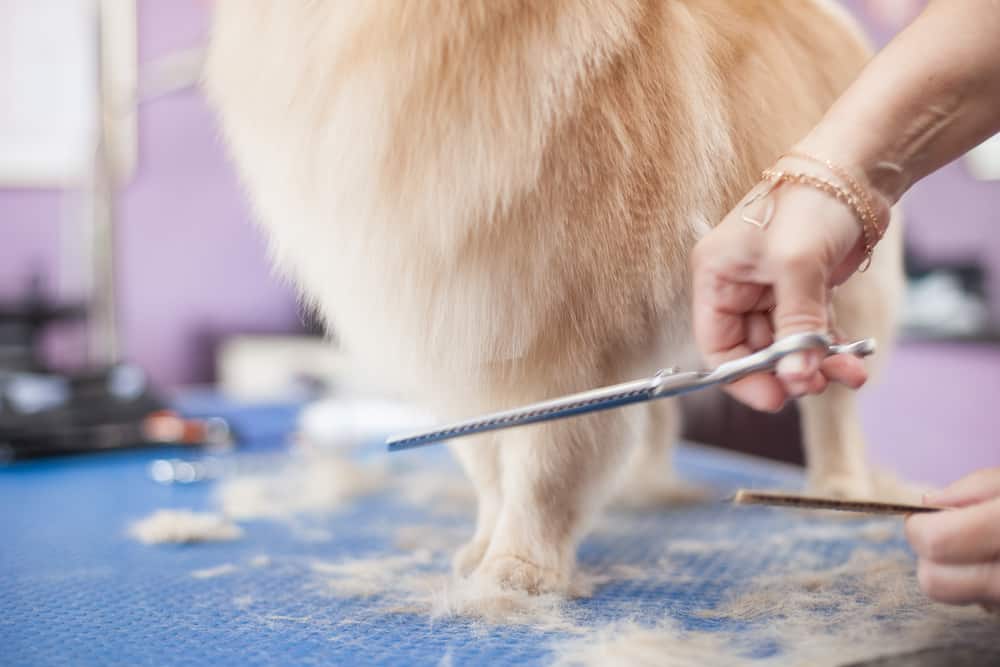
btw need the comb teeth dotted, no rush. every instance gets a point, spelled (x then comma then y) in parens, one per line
(748, 497)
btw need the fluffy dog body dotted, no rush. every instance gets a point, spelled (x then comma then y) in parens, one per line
(492, 202)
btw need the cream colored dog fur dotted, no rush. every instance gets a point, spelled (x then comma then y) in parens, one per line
(492, 202)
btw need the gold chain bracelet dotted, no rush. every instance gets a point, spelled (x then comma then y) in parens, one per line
(838, 192)
(863, 193)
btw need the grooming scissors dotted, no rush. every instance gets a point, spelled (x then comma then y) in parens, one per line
(664, 383)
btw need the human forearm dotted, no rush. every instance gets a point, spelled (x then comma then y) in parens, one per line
(930, 95)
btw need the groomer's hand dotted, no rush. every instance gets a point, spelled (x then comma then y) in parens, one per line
(959, 550)
(754, 284)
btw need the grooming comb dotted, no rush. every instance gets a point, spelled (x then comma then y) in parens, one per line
(794, 501)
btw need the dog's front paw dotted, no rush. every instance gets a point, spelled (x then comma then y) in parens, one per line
(843, 486)
(519, 574)
(874, 484)
(889, 488)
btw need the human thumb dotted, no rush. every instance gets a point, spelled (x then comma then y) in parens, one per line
(801, 296)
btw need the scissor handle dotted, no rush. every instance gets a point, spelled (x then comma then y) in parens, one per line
(768, 358)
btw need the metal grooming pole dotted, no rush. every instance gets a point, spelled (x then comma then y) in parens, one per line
(110, 168)
(114, 157)
(102, 327)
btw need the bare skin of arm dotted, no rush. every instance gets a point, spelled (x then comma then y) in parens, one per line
(928, 97)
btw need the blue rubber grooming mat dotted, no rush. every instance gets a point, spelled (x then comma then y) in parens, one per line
(76, 590)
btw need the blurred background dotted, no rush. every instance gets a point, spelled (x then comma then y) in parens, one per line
(131, 272)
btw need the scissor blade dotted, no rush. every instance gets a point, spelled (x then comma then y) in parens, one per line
(606, 398)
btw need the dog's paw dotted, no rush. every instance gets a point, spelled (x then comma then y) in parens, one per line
(519, 574)
(879, 485)
(843, 487)
(889, 488)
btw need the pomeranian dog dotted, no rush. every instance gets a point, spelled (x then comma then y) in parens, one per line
(492, 202)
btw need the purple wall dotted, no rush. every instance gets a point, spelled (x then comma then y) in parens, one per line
(190, 266)
(949, 215)
(28, 235)
(934, 415)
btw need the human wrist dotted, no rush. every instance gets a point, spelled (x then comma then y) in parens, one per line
(878, 184)
(885, 177)
(869, 211)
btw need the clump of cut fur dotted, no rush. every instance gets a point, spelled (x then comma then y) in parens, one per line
(184, 527)
(662, 645)
(313, 485)
(866, 607)
(213, 572)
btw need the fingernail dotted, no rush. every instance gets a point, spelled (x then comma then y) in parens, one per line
(767, 406)
(793, 365)
(797, 390)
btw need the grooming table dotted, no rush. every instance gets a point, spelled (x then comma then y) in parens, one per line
(76, 590)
